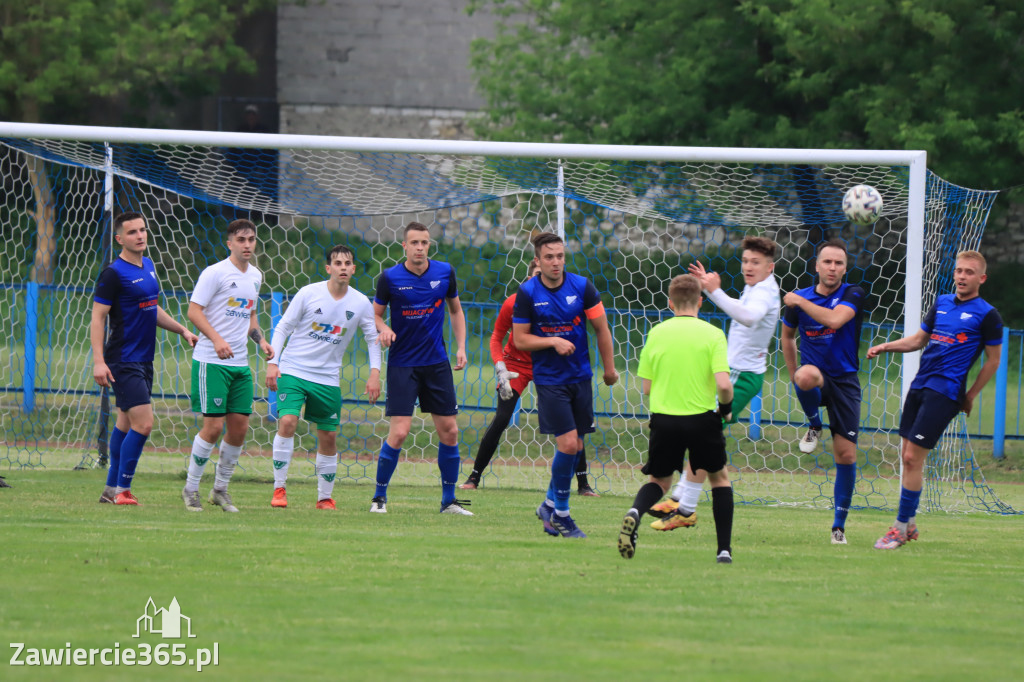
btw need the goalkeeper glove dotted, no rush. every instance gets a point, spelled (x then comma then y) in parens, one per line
(725, 411)
(504, 378)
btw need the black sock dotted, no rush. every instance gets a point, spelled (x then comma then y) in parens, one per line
(647, 497)
(581, 481)
(721, 506)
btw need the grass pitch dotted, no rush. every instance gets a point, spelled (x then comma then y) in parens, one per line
(302, 594)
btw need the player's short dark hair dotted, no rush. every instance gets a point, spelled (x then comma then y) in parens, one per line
(534, 266)
(544, 239)
(761, 245)
(126, 217)
(684, 291)
(833, 244)
(241, 225)
(340, 250)
(415, 227)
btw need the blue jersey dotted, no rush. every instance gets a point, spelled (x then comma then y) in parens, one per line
(133, 293)
(959, 332)
(417, 312)
(834, 351)
(563, 312)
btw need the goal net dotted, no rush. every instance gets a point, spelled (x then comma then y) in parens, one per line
(632, 218)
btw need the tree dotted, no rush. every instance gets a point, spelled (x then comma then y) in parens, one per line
(57, 56)
(928, 74)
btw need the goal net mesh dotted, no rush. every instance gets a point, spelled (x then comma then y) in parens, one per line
(629, 226)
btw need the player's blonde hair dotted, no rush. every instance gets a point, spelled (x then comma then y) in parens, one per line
(975, 256)
(684, 291)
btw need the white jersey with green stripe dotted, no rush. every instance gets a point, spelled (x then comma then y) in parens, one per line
(319, 329)
(754, 319)
(228, 296)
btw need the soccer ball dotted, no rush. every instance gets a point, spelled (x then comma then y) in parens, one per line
(862, 204)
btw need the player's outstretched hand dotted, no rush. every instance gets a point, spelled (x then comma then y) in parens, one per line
(504, 379)
(460, 360)
(611, 377)
(711, 282)
(875, 351)
(563, 346)
(101, 374)
(267, 349)
(191, 338)
(696, 269)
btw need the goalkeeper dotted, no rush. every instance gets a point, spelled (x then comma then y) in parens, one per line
(513, 370)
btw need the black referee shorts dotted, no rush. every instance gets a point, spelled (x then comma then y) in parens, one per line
(673, 436)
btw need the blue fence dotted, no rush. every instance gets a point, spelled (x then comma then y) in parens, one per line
(996, 418)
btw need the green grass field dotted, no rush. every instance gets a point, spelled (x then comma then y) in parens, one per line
(413, 595)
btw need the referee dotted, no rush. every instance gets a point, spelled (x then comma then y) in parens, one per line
(683, 368)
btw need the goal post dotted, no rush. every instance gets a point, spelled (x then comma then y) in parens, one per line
(632, 217)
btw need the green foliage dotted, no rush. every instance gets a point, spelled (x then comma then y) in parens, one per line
(930, 75)
(56, 56)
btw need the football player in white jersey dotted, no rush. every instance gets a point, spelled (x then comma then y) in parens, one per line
(755, 315)
(319, 324)
(223, 309)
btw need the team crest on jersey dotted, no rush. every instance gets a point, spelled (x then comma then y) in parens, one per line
(218, 401)
(570, 299)
(434, 283)
(153, 274)
(349, 314)
(282, 396)
(834, 301)
(964, 316)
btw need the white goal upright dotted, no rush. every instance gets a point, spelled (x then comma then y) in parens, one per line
(632, 217)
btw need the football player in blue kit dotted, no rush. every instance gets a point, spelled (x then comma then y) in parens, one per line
(827, 317)
(957, 329)
(417, 291)
(549, 321)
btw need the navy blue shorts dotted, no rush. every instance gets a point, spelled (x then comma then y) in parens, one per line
(566, 407)
(926, 414)
(432, 385)
(133, 383)
(673, 436)
(841, 396)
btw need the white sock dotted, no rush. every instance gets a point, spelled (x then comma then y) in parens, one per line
(691, 492)
(283, 449)
(118, 490)
(229, 455)
(326, 470)
(201, 451)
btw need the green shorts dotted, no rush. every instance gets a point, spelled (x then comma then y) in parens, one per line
(744, 387)
(219, 389)
(323, 402)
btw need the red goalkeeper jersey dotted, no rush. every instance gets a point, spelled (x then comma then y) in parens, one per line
(510, 354)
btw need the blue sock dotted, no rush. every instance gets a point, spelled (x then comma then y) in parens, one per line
(810, 401)
(386, 464)
(908, 505)
(846, 478)
(448, 463)
(562, 468)
(114, 453)
(131, 451)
